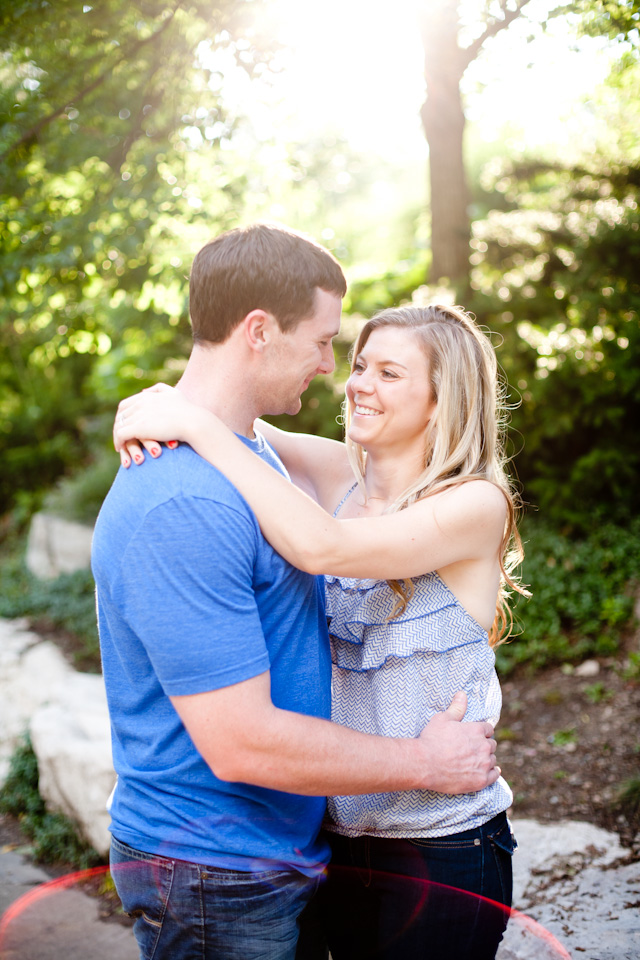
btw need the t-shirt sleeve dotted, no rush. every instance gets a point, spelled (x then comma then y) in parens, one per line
(186, 590)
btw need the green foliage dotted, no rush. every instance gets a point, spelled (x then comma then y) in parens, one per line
(79, 496)
(632, 669)
(562, 738)
(554, 275)
(55, 838)
(558, 283)
(118, 158)
(581, 598)
(617, 19)
(597, 692)
(368, 294)
(111, 145)
(67, 603)
(627, 802)
(19, 796)
(320, 412)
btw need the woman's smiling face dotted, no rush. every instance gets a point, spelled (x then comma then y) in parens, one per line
(389, 392)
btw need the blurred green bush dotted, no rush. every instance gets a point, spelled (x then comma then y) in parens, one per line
(582, 594)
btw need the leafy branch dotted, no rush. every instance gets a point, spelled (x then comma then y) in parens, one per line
(125, 56)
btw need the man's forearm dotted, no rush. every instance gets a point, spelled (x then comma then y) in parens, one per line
(306, 755)
(250, 740)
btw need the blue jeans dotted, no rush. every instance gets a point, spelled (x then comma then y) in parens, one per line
(186, 911)
(445, 898)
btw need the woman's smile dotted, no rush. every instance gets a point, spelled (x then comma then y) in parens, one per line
(362, 411)
(391, 370)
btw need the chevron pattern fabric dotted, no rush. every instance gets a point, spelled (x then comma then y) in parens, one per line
(390, 677)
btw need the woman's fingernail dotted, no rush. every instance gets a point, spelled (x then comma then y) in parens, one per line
(126, 462)
(155, 452)
(172, 444)
(138, 458)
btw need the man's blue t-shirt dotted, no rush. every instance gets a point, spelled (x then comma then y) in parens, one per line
(192, 598)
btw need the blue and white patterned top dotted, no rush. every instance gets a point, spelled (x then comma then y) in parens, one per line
(390, 676)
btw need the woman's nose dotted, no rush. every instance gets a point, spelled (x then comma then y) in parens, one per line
(364, 382)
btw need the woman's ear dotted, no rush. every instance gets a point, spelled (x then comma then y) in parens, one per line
(259, 327)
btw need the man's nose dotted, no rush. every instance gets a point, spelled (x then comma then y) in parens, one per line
(328, 362)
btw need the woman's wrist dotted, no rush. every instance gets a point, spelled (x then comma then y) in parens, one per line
(199, 426)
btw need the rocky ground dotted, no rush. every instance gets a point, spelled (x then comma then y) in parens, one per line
(569, 745)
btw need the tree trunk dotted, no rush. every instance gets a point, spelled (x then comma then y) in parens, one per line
(443, 121)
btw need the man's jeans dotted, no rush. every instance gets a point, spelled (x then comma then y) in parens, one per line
(184, 911)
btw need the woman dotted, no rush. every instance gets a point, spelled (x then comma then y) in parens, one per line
(417, 554)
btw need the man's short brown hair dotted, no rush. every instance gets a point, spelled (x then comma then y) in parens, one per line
(260, 267)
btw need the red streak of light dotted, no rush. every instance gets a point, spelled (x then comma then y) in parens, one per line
(62, 883)
(44, 890)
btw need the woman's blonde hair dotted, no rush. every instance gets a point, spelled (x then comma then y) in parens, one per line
(464, 439)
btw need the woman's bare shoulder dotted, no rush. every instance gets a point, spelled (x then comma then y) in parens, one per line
(472, 502)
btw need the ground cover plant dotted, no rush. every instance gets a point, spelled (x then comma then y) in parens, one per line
(54, 838)
(582, 594)
(65, 606)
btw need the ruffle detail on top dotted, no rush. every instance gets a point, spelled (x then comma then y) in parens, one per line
(363, 636)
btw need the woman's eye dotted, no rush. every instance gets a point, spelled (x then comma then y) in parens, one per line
(358, 367)
(389, 374)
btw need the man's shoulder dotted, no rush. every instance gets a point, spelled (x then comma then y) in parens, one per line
(178, 475)
(182, 507)
(178, 483)
(190, 475)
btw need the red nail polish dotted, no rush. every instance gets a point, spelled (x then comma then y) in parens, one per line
(138, 459)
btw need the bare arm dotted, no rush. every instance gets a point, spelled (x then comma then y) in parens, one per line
(465, 523)
(315, 464)
(244, 738)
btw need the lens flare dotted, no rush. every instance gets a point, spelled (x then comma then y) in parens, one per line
(521, 929)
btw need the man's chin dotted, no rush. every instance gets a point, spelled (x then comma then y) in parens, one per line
(287, 409)
(295, 407)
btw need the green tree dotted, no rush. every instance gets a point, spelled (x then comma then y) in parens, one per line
(444, 26)
(446, 60)
(112, 169)
(557, 277)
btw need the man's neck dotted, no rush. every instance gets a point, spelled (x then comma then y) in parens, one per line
(214, 379)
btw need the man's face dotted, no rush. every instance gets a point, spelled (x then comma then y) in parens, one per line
(301, 354)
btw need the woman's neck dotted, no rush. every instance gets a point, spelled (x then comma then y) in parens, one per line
(387, 477)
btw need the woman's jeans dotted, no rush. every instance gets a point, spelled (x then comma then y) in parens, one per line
(185, 911)
(403, 899)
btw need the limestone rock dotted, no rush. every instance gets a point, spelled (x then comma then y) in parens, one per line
(72, 741)
(589, 668)
(547, 849)
(575, 886)
(57, 546)
(65, 712)
(31, 674)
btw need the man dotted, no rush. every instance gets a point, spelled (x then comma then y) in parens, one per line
(215, 650)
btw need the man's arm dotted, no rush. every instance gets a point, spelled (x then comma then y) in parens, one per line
(244, 738)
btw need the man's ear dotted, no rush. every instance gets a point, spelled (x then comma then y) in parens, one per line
(259, 328)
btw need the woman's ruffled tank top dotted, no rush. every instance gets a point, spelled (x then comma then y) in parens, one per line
(390, 676)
